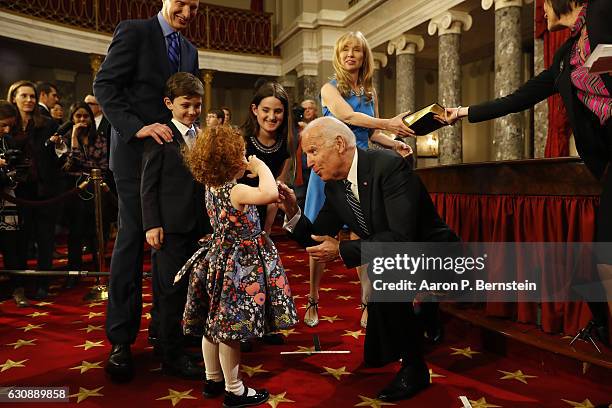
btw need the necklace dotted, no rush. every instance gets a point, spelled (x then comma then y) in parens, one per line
(359, 92)
(265, 149)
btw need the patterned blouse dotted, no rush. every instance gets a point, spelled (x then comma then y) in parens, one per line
(92, 156)
(590, 88)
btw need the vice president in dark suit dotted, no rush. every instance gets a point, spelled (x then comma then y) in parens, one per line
(379, 197)
(130, 88)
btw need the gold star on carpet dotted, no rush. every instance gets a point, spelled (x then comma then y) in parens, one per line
(40, 304)
(36, 314)
(354, 334)
(296, 275)
(177, 396)
(86, 366)
(147, 316)
(339, 276)
(482, 403)
(289, 256)
(517, 375)
(156, 368)
(348, 297)
(371, 402)
(32, 327)
(299, 260)
(305, 306)
(94, 304)
(276, 399)
(331, 319)
(20, 343)
(584, 404)
(84, 393)
(91, 344)
(433, 375)
(8, 364)
(306, 281)
(251, 371)
(288, 332)
(302, 348)
(355, 282)
(337, 373)
(146, 295)
(297, 297)
(93, 314)
(327, 289)
(91, 328)
(146, 304)
(467, 352)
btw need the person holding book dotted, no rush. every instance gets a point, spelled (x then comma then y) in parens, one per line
(351, 98)
(588, 101)
(173, 219)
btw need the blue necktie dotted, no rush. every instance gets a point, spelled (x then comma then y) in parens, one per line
(355, 206)
(174, 51)
(190, 137)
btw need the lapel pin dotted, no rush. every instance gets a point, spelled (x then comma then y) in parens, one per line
(365, 183)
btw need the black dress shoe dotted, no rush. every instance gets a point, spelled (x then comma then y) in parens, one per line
(120, 366)
(238, 401)
(601, 333)
(246, 346)
(408, 382)
(213, 389)
(182, 367)
(42, 293)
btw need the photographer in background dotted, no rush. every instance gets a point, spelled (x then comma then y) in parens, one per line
(35, 136)
(12, 243)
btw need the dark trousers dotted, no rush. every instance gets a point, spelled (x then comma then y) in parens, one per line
(12, 247)
(124, 307)
(81, 231)
(39, 227)
(170, 297)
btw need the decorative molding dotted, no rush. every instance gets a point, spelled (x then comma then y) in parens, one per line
(64, 75)
(58, 36)
(288, 80)
(406, 44)
(450, 22)
(380, 60)
(306, 69)
(500, 4)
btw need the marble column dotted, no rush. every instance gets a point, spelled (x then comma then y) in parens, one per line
(207, 78)
(508, 136)
(308, 87)
(540, 111)
(449, 26)
(380, 61)
(288, 81)
(405, 47)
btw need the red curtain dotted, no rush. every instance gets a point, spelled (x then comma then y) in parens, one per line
(557, 141)
(504, 218)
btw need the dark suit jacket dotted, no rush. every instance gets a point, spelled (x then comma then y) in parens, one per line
(589, 134)
(397, 208)
(394, 201)
(171, 198)
(44, 111)
(130, 87)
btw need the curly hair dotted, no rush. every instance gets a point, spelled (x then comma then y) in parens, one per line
(366, 72)
(217, 155)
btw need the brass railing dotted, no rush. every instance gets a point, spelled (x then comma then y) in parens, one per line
(214, 27)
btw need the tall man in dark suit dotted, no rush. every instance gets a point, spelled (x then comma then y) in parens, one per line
(387, 203)
(130, 88)
(47, 97)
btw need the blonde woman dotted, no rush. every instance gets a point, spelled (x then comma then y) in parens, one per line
(351, 98)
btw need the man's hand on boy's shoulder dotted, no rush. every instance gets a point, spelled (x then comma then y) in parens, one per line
(159, 132)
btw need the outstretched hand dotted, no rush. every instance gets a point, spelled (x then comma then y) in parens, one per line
(287, 200)
(327, 250)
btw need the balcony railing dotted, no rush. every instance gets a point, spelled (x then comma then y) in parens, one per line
(213, 28)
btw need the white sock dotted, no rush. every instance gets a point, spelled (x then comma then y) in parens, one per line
(229, 355)
(210, 351)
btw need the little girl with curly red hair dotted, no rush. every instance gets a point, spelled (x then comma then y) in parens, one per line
(238, 289)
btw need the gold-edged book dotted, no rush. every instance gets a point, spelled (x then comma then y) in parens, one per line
(423, 121)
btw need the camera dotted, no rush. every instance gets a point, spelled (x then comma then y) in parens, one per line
(15, 169)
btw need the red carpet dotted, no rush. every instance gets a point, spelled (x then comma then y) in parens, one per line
(62, 343)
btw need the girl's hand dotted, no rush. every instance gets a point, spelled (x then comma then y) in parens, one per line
(396, 125)
(78, 128)
(253, 166)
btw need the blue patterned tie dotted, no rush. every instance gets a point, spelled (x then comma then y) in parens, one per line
(190, 137)
(355, 206)
(174, 51)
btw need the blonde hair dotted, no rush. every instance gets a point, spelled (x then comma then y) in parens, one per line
(366, 71)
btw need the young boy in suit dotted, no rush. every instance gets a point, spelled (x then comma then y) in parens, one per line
(173, 219)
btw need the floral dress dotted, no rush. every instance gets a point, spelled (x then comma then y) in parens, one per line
(237, 284)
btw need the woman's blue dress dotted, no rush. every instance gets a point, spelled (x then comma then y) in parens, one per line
(315, 194)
